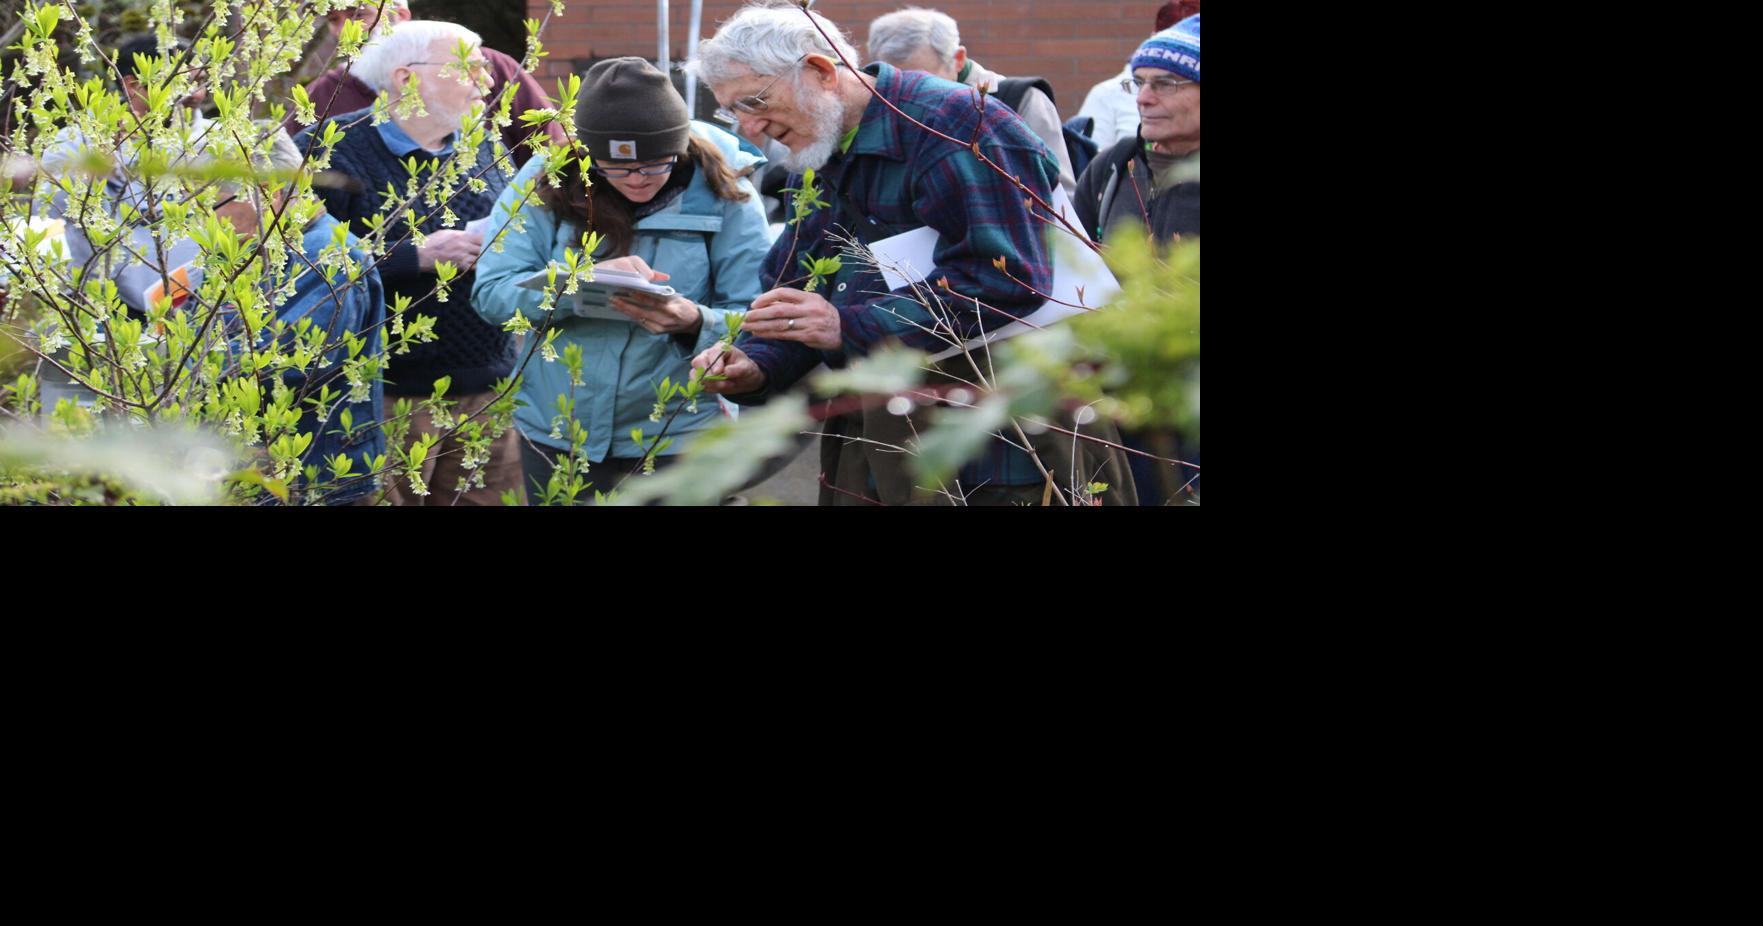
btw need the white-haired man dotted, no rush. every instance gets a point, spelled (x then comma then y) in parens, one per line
(916, 39)
(372, 162)
(340, 91)
(776, 68)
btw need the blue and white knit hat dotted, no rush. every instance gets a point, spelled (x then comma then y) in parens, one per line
(1176, 48)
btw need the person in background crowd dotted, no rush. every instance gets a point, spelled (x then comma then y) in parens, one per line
(916, 39)
(1166, 77)
(190, 135)
(668, 194)
(1114, 110)
(334, 303)
(1153, 194)
(124, 195)
(883, 176)
(371, 160)
(340, 91)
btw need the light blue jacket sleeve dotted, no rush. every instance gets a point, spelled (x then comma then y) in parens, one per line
(737, 253)
(495, 293)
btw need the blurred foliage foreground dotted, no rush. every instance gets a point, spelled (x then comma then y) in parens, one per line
(1137, 361)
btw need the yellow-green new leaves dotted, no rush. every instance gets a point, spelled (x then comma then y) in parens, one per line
(445, 271)
(409, 105)
(572, 361)
(806, 197)
(535, 49)
(40, 21)
(304, 110)
(820, 269)
(568, 89)
(350, 40)
(1149, 335)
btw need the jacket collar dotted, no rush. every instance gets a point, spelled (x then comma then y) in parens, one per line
(403, 145)
(881, 132)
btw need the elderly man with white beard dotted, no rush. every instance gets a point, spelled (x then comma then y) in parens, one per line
(372, 161)
(773, 68)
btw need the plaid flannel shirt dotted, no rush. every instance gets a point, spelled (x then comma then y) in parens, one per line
(901, 177)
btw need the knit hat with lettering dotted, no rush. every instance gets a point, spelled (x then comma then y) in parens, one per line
(629, 111)
(1176, 48)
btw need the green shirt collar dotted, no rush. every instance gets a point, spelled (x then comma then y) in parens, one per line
(966, 69)
(851, 136)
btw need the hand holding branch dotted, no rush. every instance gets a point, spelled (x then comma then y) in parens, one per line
(793, 315)
(743, 375)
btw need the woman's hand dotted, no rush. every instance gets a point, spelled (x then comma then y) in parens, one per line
(659, 314)
(633, 264)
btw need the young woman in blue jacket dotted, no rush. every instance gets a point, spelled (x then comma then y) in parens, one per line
(670, 198)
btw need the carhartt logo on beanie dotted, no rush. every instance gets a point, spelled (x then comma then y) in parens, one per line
(629, 111)
(1176, 48)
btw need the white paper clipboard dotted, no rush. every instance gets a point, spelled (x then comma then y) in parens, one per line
(593, 297)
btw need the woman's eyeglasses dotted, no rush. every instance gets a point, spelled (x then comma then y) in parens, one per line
(650, 170)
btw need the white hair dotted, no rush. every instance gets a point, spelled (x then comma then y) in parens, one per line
(897, 37)
(408, 42)
(766, 41)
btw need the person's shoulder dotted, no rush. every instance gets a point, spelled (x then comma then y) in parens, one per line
(917, 91)
(357, 128)
(337, 85)
(326, 80)
(737, 155)
(1122, 151)
(322, 232)
(350, 123)
(949, 108)
(533, 172)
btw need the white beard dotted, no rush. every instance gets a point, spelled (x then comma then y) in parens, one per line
(828, 114)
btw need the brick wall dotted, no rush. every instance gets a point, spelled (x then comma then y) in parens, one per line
(1072, 43)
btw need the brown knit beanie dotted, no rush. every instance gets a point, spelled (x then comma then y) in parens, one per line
(629, 111)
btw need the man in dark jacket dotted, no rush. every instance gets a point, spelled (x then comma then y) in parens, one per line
(1141, 180)
(1149, 181)
(372, 163)
(340, 91)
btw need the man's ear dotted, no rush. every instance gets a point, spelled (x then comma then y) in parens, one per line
(826, 70)
(960, 58)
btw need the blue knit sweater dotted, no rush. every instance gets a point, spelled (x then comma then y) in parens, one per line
(471, 351)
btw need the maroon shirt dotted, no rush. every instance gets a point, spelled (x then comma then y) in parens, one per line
(337, 92)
